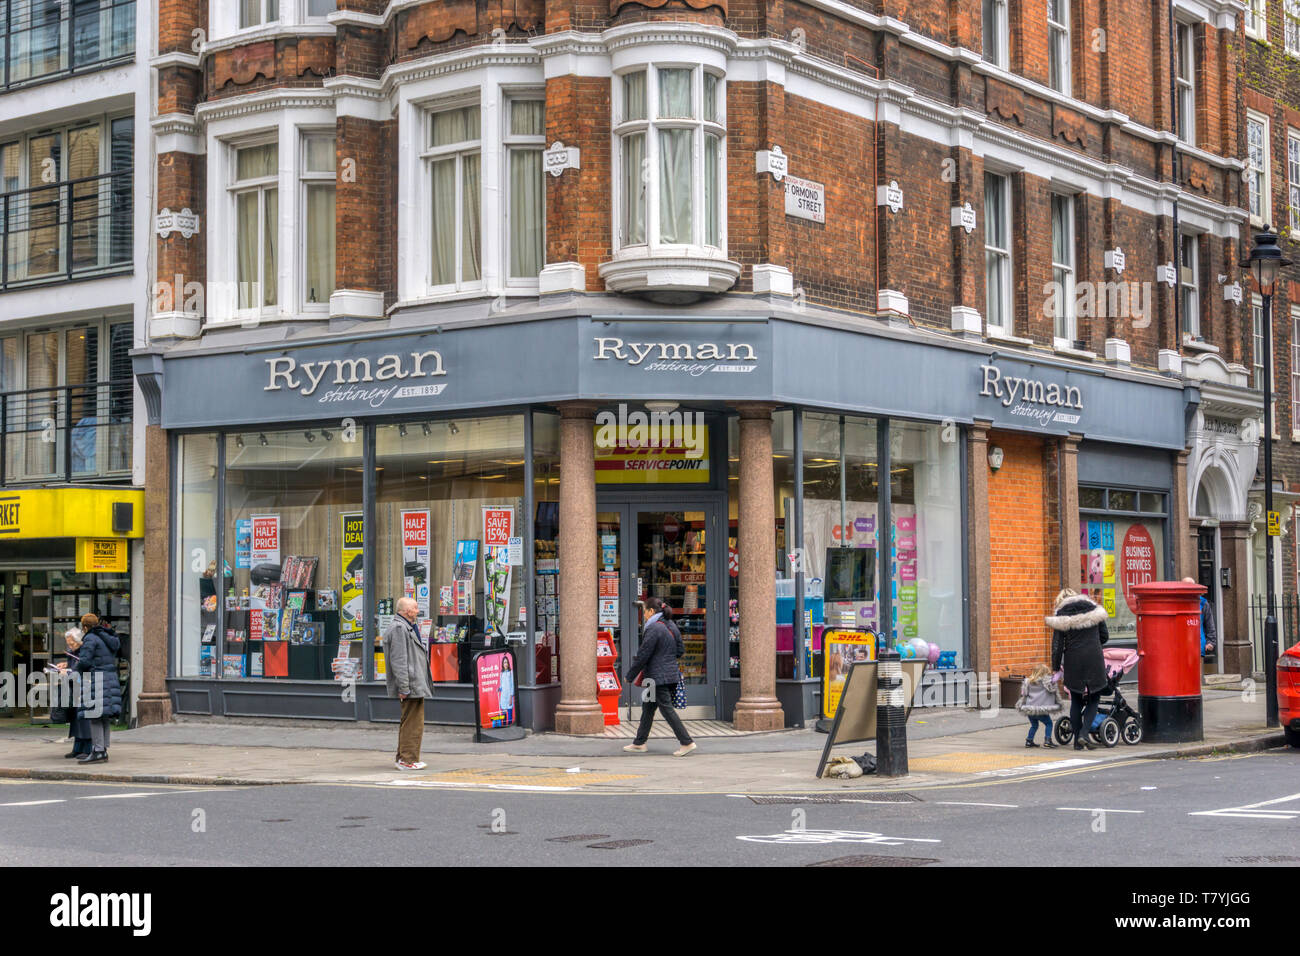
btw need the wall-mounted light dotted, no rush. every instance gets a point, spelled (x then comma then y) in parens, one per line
(424, 427)
(309, 435)
(262, 438)
(995, 458)
(401, 431)
(451, 427)
(239, 441)
(326, 434)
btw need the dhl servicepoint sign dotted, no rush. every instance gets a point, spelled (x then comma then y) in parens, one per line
(102, 554)
(68, 513)
(647, 455)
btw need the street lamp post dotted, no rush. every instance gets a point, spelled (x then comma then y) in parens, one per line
(1264, 262)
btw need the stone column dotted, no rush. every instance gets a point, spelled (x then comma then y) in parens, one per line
(154, 705)
(1234, 552)
(1068, 451)
(979, 575)
(578, 711)
(758, 708)
(1182, 533)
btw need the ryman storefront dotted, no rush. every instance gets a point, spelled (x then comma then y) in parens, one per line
(532, 479)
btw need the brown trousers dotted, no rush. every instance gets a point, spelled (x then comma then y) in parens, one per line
(411, 733)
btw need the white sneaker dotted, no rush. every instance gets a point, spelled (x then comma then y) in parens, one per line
(635, 748)
(418, 765)
(683, 751)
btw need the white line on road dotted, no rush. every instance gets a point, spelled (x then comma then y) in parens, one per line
(30, 803)
(1099, 810)
(1255, 811)
(963, 803)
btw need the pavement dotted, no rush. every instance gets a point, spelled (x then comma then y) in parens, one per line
(946, 747)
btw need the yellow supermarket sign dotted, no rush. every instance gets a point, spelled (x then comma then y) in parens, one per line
(101, 554)
(68, 513)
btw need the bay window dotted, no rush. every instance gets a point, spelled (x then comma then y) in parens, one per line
(670, 131)
(452, 159)
(257, 203)
(254, 13)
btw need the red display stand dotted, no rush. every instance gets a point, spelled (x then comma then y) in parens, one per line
(607, 684)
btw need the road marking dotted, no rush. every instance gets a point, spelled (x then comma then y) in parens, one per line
(964, 803)
(833, 836)
(1037, 767)
(1255, 810)
(1099, 810)
(450, 784)
(31, 803)
(123, 796)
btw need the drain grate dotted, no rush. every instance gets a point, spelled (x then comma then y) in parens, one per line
(769, 800)
(351, 826)
(578, 838)
(282, 820)
(1264, 859)
(617, 844)
(403, 829)
(877, 861)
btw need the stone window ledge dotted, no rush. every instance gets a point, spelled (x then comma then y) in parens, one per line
(675, 274)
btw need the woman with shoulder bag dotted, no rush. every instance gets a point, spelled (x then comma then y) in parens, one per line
(656, 660)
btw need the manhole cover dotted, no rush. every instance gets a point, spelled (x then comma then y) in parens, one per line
(1264, 859)
(769, 800)
(578, 838)
(876, 861)
(617, 844)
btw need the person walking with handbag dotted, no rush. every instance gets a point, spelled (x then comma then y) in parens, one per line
(656, 660)
(406, 672)
(101, 692)
(1080, 630)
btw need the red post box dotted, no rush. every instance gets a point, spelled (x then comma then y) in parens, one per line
(1169, 672)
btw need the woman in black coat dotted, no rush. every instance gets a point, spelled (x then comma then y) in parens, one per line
(656, 660)
(1080, 630)
(100, 689)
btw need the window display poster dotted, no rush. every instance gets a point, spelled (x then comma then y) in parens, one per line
(264, 546)
(1137, 562)
(497, 525)
(496, 588)
(353, 590)
(494, 688)
(464, 568)
(415, 558)
(243, 542)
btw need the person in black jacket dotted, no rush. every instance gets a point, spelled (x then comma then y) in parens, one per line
(1080, 630)
(656, 660)
(101, 692)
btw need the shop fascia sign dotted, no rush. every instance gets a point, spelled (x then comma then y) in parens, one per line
(1032, 398)
(306, 377)
(692, 357)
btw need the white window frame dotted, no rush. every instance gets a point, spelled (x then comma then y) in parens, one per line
(236, 188)
(651, 126)
(1058, 48)
(460, 150)
(223, 20)
(1064, 311)
(1293, 178)
(510, 143)
(1185, 80)
(1295, 373)
(994, 12)
(284, 125)
(1291, 27)
(1257, 341)
(1258, 173)
(1256, 19)
(265, 19)
(1189, 286)
(490, 86)
(1005, 257)
(305, 178)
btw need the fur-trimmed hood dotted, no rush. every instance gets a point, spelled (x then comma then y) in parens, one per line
(1077, 613)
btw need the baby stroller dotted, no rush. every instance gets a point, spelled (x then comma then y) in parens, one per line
(1115, 718)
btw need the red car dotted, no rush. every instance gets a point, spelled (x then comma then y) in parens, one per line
(1288, 693)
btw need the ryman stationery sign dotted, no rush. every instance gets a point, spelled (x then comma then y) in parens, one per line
(1039, 402)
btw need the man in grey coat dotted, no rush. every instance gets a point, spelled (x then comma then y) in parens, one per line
(406, 662)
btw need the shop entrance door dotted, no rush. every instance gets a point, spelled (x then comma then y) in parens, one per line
(670, 550)
(1207, 575)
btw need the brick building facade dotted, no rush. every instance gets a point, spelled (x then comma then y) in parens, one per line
(970, 233)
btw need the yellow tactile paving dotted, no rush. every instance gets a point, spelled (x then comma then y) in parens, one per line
(965, 762)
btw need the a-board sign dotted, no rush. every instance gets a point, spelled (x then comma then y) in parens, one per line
(855, 719)
(496, 714)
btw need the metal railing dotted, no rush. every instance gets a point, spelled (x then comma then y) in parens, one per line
(68, 229)
(43, 40)
(68, 433)
(1287, 608)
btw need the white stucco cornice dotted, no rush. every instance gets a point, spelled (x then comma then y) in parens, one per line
(275, 31)
(189, 61)
(264, 101)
